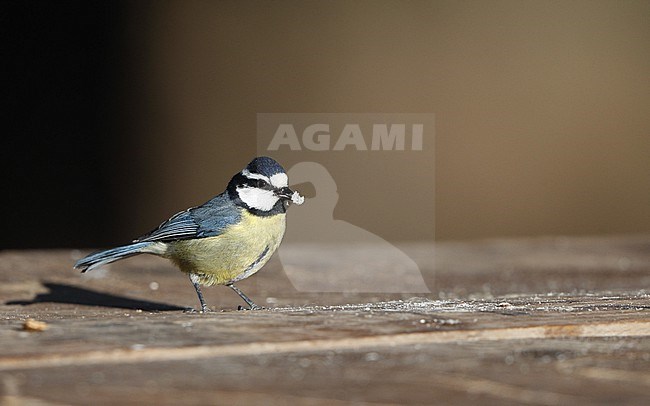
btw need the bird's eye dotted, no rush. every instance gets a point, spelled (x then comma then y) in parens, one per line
(260, 183)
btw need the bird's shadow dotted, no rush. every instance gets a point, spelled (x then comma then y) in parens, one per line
(68, 294)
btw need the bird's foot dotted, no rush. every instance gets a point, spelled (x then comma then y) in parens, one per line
(191, 310)
(253, 307)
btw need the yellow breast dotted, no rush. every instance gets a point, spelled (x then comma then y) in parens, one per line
(240, 251)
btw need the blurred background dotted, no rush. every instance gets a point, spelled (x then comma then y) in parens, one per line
(118, 114)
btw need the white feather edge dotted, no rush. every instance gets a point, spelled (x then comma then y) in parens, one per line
(251, 175)
(279, 180)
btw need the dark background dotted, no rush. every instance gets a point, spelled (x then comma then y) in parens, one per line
(118, 114)
(63, 118)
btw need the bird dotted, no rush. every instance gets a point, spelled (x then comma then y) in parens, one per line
(226, 239)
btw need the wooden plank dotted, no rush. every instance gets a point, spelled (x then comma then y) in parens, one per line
(540, 321)
(635, 328)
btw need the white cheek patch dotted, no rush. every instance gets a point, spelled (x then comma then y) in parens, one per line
(259, 199)
(280, 180)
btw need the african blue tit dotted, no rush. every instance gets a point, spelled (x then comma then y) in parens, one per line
(225, 240)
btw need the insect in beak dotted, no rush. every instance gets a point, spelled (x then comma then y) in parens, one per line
(288, 194)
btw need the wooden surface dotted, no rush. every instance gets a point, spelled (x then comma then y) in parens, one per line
(537, 321)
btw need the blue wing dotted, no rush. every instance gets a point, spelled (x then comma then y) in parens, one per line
(207, 220)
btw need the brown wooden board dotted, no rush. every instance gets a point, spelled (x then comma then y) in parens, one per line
(530, 321)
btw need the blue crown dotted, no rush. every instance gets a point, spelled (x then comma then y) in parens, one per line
(265, 166)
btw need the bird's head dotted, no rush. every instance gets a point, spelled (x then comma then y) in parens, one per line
(263, 188)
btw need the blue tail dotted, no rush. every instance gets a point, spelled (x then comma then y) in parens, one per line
(100, 258)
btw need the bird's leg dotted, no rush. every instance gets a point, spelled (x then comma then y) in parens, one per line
(195, 281)
(248, 301)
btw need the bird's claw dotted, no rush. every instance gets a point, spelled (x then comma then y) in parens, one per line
(253, 307)
(191, 310)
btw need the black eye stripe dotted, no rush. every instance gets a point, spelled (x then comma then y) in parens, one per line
(259, 183)
(241, 180)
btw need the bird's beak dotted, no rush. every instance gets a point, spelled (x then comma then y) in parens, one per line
(284, 193)
(287, 194)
